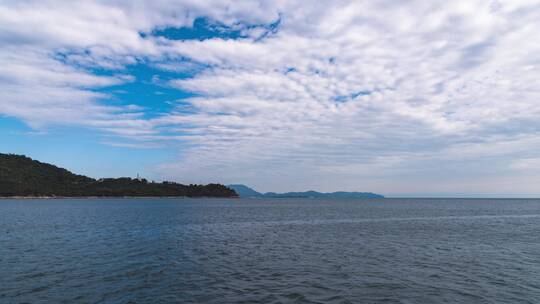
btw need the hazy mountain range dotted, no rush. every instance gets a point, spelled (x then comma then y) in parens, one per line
(245, 191)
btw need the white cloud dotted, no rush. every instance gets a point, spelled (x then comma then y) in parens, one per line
(350, 94)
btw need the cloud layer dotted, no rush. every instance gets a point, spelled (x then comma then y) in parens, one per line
(408, 97)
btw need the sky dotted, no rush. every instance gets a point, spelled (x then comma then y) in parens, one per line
(406, 98)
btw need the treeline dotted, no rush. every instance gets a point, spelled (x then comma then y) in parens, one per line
(22, 176)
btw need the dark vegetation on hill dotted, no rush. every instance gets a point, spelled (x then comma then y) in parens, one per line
(22, 176)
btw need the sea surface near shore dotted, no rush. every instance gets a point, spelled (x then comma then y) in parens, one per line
(149, 250)
(107, 197)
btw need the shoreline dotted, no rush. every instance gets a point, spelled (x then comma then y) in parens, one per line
(107, 197)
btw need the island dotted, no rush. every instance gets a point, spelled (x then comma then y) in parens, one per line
(245, 191)
(21, 176)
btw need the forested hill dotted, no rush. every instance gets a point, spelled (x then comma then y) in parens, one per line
(23, 176)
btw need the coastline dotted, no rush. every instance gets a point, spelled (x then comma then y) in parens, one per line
(108, 197)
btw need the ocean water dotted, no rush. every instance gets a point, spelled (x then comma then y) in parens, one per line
(269, 251)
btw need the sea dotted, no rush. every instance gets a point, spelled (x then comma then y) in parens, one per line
(270, 251)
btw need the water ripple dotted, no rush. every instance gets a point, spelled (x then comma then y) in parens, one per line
(275, 251)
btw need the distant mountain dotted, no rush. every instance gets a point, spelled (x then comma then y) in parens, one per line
(23, 176)
(245, 191)
(315, 194)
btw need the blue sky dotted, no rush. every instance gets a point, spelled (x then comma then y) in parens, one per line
(405, 98)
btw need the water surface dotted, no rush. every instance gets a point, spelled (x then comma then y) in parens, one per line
(269, 251)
